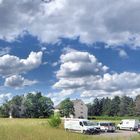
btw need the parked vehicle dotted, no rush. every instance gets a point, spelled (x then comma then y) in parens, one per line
(81, 125)
(107, 126)
(128, 124)
(138, 128)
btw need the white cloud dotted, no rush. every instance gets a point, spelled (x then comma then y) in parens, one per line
(4, 51)
(57, 97)
(55, 64)
(123, 54)
(91, 84)
(113, 22)
(17, 81)
(10, 65)
(4, 97)
(77, 64)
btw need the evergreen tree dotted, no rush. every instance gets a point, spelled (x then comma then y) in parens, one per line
(126, 106)
(106, 106)
(137, 105)
(96, 107)
(115, 106)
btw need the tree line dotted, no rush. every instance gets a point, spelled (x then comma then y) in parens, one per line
(27, 106)
(39, 106)
(117, 106)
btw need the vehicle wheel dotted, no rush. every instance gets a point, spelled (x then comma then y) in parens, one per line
(84, 132)
(118, 128)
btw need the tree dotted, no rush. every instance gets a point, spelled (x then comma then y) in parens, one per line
(126, 106)
(96, 107)
(16, 106)
(90, 109)
(106, 106)
(45, 106)
(66, 108)
(54, 120)
(115, 106)
(30, 106)
(5, 108)
(137, 105)
(38, 106)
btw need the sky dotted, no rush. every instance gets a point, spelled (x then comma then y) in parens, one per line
(69, 48)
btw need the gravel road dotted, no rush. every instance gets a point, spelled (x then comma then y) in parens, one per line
(120, 133)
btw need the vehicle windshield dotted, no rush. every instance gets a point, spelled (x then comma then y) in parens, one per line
(107, 124)
(88, 123)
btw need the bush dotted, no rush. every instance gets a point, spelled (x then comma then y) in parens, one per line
(91, 118)
(4, 116)
(54, 121)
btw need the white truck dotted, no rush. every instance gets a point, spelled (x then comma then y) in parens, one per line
(128, 124)
(81, 125)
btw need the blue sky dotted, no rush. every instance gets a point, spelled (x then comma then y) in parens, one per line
(78, 51)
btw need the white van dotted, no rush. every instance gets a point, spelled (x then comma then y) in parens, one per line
(81, 125)
(128, 124)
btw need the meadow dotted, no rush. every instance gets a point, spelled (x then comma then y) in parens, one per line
(38, 129)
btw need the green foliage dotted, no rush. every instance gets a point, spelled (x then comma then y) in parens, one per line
(118, 106)
(38, 106)
(106, 106)
(126, 106)
(137, 105)
(30, 106)
(114, 106)
(66, 108)
(54, 121)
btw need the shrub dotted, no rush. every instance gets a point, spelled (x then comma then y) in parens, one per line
(54, 121)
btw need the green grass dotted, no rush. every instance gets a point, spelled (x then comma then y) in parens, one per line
(38, 129)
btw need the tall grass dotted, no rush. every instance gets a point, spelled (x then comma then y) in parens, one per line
(38, 129)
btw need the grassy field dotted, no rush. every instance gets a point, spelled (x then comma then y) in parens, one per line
(38, 129)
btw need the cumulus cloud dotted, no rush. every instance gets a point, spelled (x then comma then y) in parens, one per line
(17, 81)
(10, 65)
(112, 22)
(74, 78)
(77, 64)
(123, 54)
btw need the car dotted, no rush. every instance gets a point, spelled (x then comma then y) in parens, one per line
(107, 126)
(138, 128)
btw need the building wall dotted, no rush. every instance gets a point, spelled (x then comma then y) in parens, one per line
(81, 110)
